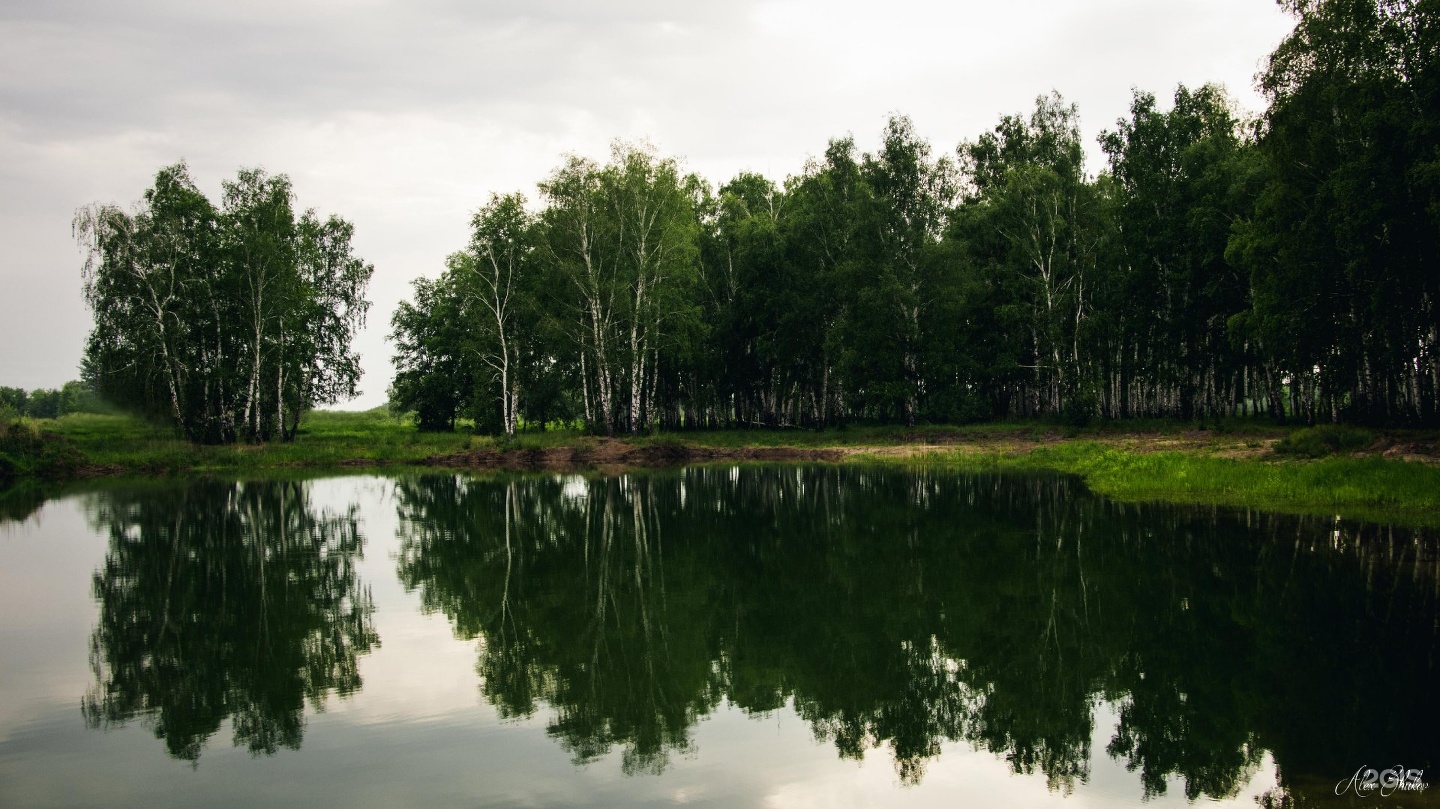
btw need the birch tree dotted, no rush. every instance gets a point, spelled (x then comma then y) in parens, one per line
(1028, 178)
(575, 233)
(494, 272)
(911, 197)
(655, 240)
(144, 275)
(228, 323)
(624, 239)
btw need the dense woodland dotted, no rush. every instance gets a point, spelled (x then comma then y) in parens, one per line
(1285, 266)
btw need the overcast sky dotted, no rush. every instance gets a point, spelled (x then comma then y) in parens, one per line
(403, 116)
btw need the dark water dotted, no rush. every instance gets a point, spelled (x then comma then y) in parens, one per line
(779, 636)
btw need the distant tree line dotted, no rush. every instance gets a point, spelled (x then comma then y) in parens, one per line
(228, 321)
(41, 403)
(1216, 266)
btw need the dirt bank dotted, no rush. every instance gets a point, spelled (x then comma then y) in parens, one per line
(609, 453)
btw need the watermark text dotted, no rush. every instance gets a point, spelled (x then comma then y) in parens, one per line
(1368, 781)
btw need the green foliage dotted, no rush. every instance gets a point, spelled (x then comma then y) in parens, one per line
(435, 375)
(1078, 410)
(12, 401)
(622, 243)
(1182, 177)
(27, 450)
(73, 397)
(894, 288)
(1324, 440)
(227, 322)
(1216, 268)
(1029, 232)
(1341, 245)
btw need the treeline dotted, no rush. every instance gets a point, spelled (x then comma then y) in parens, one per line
(42, 403)
(1216, 266)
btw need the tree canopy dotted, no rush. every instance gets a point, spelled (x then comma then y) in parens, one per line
(228, 321)
(1216, 265)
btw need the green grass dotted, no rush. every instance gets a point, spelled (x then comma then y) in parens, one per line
(1363, 488)
(28, 452)
(128, 444)
(325, 439)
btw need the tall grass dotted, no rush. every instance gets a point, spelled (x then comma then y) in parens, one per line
(29, 451)
(1324, 440)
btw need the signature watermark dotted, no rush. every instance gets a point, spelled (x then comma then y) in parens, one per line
(1368, 781)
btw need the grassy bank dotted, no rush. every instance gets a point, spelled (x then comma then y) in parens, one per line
(1365, 487)
(1241, 464)
(126, 445)
(28, 453)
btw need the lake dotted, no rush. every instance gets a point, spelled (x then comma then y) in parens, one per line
(786, 636)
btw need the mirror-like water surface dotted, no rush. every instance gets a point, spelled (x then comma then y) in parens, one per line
(787, 636)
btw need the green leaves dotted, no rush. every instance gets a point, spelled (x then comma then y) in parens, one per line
(1180, 177)
(1342, 243)
(1217, 267)
(1030, 227)
(228, 323)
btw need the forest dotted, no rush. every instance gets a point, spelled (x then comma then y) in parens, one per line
(1283, 267)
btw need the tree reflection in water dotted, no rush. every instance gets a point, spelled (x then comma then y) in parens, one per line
(225, 600)
(908, 609)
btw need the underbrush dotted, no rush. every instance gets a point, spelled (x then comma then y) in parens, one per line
(28, 451)
(1323, 441)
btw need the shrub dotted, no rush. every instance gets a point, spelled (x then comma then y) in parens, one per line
(1324, 440)
(25, 451)
(9, 470)
(1078, 409)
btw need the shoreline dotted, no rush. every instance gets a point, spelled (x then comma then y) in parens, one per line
(1395, 478)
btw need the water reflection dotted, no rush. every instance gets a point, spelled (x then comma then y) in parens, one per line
(220, 601)
(569, 596)
(19, 503)
(903, 611)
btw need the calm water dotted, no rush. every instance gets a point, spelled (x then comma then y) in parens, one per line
(777, 636)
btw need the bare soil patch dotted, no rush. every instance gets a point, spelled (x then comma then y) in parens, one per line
(1226, 445)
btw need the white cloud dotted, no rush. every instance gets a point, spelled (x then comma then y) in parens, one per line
(404, 116)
